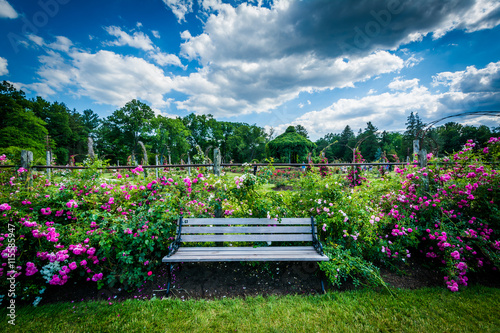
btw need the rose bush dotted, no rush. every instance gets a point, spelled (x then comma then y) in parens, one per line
(84, 226)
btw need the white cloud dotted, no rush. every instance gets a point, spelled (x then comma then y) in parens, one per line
(3, 66)
(403, 85)
(104, 76)
(180, 8)
(472, 79)
(388, 110)
(243, 87)
(156, 33)
(138, 39)
(164, 59)
(469, 90)
(36, 39)
(7, 11)
(482, 14)
(248, 69)
(61, 44)
(114, 79)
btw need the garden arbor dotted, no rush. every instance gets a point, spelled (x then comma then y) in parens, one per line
(290, 146)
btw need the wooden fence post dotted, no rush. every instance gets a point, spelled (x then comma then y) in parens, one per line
(156, 163)
(26, 159)
(217, 161)
(416, 147)
(189, 168)
(48, 156)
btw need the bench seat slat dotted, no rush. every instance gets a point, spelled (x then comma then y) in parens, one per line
(248, 238)
(242, 221)
(248, 230)
(246, 254)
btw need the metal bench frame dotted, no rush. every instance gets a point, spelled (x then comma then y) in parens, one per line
(203, 230)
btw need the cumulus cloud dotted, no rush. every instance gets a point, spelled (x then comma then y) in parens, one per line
(469, 90)
(156, 33)
(7, 11)
(61, 44)
(137, 40)
(472, 79)
(243, 87)
(387, 110)
(3, 66)
(256, 58)
(104, 76)
(180, 8)
(403, 85)
(164, 59)
(336, 30)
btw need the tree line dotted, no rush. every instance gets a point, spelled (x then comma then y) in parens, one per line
(37, 125)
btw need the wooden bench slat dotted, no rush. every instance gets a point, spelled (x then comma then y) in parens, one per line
(245, 251)
(248, 238)
(240, 221)
(248, 230)
(246, 254)
(200, 249)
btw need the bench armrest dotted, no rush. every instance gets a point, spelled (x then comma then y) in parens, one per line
(172, 248)
(315, 242)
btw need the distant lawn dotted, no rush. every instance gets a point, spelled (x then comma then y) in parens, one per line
(476, 309)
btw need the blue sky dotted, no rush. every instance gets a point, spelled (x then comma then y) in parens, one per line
(323, 64)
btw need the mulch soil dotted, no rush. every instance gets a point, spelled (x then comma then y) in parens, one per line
(235, 279)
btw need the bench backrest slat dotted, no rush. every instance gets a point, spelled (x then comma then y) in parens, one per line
(248, 238)
(246, 230)
(244, 221)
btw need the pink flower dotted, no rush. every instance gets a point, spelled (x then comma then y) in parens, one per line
(97, 277)
(30, 269)
(455, 255)
(91, 251)
(150, 273)
(5, 206)
(72, 203)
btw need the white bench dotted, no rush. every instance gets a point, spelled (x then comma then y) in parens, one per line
(245, 230)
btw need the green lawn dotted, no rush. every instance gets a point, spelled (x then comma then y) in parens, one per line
(476, 309)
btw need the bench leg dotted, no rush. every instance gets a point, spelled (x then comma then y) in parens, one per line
(170, 269)
(322, 279)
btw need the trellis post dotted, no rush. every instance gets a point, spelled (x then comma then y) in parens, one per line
(48, 156)
(156, 163)
(26, 159)
(217, 162)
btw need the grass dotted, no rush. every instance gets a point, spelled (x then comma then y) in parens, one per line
(425, 310)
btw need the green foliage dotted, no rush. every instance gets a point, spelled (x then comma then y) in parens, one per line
(290, 146)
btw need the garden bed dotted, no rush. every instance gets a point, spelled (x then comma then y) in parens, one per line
(234, 279)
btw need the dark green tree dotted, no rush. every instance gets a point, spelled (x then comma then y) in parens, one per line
(169, 134)
(414, 127)
(120, 133)
(369, 142)
(347, 139)
(20, 128)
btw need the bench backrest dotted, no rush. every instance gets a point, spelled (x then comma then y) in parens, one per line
(247, 230)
